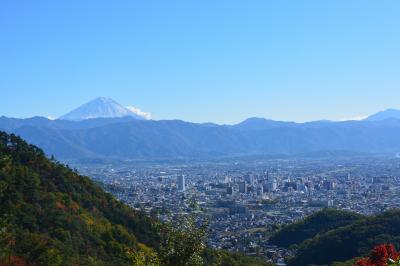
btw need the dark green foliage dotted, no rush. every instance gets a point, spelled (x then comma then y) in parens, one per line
(312, 225)
(346, 242)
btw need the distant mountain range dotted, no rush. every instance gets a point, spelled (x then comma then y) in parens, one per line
(113, 135)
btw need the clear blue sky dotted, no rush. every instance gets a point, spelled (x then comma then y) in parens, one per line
(218, 61)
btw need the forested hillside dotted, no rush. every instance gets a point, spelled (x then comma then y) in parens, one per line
(338, 236)
(51, 215)
(317, 223)
(347, 242)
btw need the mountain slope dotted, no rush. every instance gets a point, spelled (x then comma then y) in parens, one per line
(339, 236)
(317, 223)
(387, 114)
(350, 241)
(100, 108)
(54, 215)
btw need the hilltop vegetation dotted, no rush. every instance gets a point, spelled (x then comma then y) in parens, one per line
(312, 225)
(333, 236)
(51, 215)
(356, 239)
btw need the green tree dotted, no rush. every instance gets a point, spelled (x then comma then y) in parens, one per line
(7, 238)
(183, 242)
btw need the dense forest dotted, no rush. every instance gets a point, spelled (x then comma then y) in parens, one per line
(337, 236)
(312, 225)
(51, 215)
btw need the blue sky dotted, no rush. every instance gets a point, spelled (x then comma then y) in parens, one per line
(219, 61)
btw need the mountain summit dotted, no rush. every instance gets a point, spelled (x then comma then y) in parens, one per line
(383, 115)
(103, 107)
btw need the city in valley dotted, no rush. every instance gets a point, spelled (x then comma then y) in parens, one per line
(200, 133)
(245, 200)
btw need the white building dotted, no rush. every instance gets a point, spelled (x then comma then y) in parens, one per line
(181, 183)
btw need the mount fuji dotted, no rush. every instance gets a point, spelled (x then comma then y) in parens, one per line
(104, 107)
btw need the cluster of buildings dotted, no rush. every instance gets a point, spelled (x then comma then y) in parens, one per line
(246, 201)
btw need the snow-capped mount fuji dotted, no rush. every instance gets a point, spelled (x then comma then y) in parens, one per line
(103, 107)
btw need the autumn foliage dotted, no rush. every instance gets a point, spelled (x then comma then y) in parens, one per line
(381, 255)
(14, 261)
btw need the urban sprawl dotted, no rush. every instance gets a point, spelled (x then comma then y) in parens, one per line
(245, 201)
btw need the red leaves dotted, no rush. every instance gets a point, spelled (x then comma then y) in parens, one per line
(380, 256)
(13, 261)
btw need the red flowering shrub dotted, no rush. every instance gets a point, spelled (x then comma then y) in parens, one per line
(380, 256)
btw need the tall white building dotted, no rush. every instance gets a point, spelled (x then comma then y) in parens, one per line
(181, 183)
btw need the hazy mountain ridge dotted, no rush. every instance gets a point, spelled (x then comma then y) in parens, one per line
(386, 114)
(114, 131)
(129, 138)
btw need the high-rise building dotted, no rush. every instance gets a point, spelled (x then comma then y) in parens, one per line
(181, 183)
(260, 190)
(242, 187)
(251, 180)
